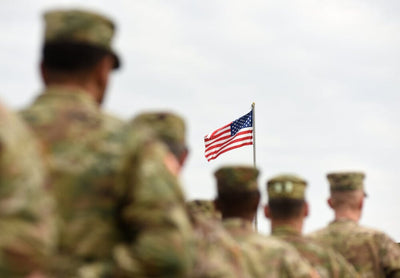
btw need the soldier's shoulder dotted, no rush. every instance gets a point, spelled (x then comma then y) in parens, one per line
(317, 233)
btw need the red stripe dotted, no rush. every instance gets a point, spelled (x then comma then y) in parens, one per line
(215, 132)
(223, 136)
(220, 142)
(230, 143)
(228, 149)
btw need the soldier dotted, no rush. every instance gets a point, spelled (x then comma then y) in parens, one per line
(371, 252)
(27, 222)
(216, 253)
(169, 127)
(113, 184)
(238, 199)
(287, 210)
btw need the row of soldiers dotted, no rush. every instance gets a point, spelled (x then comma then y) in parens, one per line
(84, 194)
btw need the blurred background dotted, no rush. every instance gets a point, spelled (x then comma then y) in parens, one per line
(324, 76)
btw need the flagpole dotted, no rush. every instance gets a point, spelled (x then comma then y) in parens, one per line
(253, 106)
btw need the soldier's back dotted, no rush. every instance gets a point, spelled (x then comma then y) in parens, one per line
(27, 222)
(267, 256)
(372, 253)
(217, 253)
(111, 183)
(326, 261)
(84, 149)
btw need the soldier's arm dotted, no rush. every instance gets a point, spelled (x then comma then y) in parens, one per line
(340, 266)
(155, 214)
(389, 252)
(297, 266)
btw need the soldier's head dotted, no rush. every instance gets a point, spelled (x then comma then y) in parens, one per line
(286, 198)
(237, 191)
(77, 50)
(168, 127)
(346, 191)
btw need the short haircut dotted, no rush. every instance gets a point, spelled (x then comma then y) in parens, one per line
(285, 209)
(236, 204)
(71, 56)
(346, 199)
(176, 148)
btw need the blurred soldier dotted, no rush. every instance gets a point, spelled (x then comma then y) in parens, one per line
(27, 221)
(216, 253)
(287, 210)
(238, 199)
(113, 184)
(169, 127)
(372, 252)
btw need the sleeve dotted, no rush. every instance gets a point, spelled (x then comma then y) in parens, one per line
(389, 252)
(154, 213)
(296, 266)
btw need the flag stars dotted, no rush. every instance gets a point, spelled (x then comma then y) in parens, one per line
(242, 122)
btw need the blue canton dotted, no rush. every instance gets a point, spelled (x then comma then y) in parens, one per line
(242, 122)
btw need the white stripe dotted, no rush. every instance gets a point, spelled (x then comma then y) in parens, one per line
(228, 146)
(231, 144)
(218, 141)
(228, 128)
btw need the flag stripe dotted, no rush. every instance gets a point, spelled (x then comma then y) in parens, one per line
(226, 139)
(218, 131)
(225, 132)
(228, 149)
(234, 143)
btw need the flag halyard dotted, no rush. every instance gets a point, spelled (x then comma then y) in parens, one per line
(234, 135)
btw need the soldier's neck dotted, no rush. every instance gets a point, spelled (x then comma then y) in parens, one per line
(347, 214)
(296, 224)
(88, 88)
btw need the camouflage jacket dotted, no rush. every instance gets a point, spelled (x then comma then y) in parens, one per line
(113, 185)
(217, 253)
(372, 253)
(27, 222)
(266, 256)
(327, 262)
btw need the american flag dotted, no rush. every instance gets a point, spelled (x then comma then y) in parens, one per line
(234, 135)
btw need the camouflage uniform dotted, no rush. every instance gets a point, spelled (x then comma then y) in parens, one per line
(327, 262)
(114, 185)
(265, 256)
(27, 222)
(203, 208)
(216, 253)
(371, 252)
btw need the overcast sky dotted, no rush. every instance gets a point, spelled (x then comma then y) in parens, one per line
(324, 76)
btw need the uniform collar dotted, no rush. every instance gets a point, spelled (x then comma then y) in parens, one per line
(230, 223)
(68, 95)
(343, 220)
(285, 230)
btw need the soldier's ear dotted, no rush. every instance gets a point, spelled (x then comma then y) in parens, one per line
(330, 204)
(43, 73)
(267, 212)
(306, 209)
(183, 156)
(361, 203)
